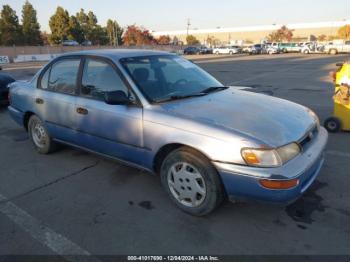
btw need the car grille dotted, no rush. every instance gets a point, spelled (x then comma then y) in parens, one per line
(309, 136)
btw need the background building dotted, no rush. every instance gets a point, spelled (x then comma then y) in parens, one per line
(255, 34)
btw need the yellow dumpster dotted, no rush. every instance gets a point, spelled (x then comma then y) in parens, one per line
(341, 114)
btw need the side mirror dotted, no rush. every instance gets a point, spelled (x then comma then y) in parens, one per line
(117, 98)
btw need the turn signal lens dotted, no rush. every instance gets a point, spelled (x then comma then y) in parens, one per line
(261, 157)
(251, 158)
(279, 184)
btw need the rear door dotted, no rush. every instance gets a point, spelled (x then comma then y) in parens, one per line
(114, 130)
(55, 97)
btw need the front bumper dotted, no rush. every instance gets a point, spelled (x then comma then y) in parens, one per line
(243, 181)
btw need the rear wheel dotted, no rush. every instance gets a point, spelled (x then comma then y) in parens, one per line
(217, 52)
(332, 124)
(191, 182)
(39, 136)
(231, 53)
(333, 51)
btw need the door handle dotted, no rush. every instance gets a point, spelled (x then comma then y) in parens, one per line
(82, 111)
(39, 101)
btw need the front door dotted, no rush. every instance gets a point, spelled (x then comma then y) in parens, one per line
(115, 130)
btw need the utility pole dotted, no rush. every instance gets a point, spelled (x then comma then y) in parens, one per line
(116, 35)
(188, 25)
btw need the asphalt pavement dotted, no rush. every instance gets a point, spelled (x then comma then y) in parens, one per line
(73, 202)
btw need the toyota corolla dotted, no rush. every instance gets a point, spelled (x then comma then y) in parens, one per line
(162, 113)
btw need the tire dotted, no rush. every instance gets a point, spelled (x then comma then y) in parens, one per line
(230, 53)
(333, 51)
(284, 50)
(332, 124)
(191, 182)
(217, 53)
(39, 136)
(306, 51)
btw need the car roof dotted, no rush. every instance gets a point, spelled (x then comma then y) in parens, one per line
(116, 54)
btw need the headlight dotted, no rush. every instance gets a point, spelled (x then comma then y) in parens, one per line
(270, 157)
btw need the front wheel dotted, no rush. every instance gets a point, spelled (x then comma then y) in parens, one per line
(39, 136)
(191, 182)
(332, 124)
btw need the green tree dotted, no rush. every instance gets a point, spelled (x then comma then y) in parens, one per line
(192, 40)
(91, 30)
(75, 31)
(83, 21)
(114, 33)
(30, 25)
(59, 25)
(344, 32)
(9, 27)
(99, 35)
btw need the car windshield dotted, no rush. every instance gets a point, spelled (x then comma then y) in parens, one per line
(168, 77)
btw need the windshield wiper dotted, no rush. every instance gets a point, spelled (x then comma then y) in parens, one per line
(213, 89)
(178, 97)
(201, 93)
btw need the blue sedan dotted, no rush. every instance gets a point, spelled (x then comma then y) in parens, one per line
(162, 113)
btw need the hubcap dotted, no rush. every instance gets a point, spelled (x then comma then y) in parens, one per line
(332, 125)
(186, 184)
(38, 134)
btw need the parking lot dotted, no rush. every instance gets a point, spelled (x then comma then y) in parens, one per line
(73, 202)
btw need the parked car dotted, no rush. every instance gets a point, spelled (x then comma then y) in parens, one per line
(246, 48)
(162, 113)
(227, 50)
(5, 80)
(206, 50)
(256, 49)
(197, 50)
(312, 48)
(269, 49)
(70, 43)
(86, 43)
(337, 47)
(289, 47)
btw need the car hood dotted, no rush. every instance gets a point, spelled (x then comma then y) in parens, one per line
(272, 121)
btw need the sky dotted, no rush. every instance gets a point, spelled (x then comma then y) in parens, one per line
(164, 15)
